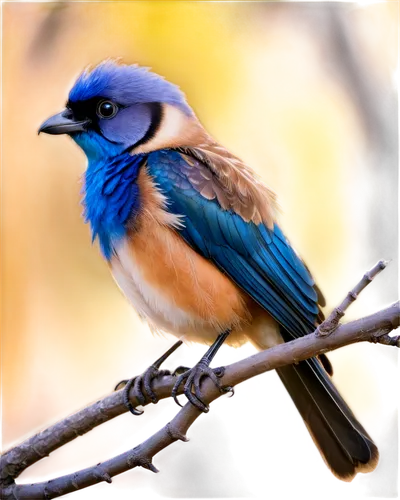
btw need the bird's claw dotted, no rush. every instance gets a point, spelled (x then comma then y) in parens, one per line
(142, 383)
(142, 388)
(230, 389)
(121, 384)
(180, 370)
(192, 379)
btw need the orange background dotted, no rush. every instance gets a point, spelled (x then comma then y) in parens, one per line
(306, 94)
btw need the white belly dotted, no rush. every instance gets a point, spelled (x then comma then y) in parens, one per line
(159, 310)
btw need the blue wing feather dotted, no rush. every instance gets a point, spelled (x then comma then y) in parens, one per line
(261, 261)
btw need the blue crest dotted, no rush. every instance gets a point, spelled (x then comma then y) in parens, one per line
(126, 85)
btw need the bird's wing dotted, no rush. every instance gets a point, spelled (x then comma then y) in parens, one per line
(258, 258)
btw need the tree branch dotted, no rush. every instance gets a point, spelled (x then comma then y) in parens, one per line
(327, 326)
(374, 328)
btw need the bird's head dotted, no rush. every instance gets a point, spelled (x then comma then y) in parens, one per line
(114, 108)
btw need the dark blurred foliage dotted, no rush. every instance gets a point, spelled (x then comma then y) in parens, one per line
(49, 34)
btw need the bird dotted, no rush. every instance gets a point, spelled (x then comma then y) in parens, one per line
(191, 236)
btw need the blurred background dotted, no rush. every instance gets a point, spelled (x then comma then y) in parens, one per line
(306, 93)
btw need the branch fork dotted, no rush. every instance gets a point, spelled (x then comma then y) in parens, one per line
(332, 322)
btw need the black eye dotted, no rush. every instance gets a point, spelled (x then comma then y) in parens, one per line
(106, 109)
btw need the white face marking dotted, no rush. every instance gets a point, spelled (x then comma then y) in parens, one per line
(176, 129)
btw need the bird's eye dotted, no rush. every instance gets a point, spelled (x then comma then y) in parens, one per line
(106, 109)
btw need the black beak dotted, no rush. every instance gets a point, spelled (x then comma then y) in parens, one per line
(63, 123)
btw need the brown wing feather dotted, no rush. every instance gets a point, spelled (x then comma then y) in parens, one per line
(217, 173)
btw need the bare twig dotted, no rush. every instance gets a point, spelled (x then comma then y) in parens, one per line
(374, 328)
(332, 322)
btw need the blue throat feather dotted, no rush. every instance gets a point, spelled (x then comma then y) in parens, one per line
(111, 194)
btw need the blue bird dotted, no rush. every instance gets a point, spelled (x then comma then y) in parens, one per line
(191, 238)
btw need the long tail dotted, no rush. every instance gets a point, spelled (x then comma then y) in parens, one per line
(343, 442)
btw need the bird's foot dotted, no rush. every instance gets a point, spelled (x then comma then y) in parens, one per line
(193, 378)
(141, 387)
(142, 383)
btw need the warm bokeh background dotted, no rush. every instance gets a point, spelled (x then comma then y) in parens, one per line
(306, 94)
